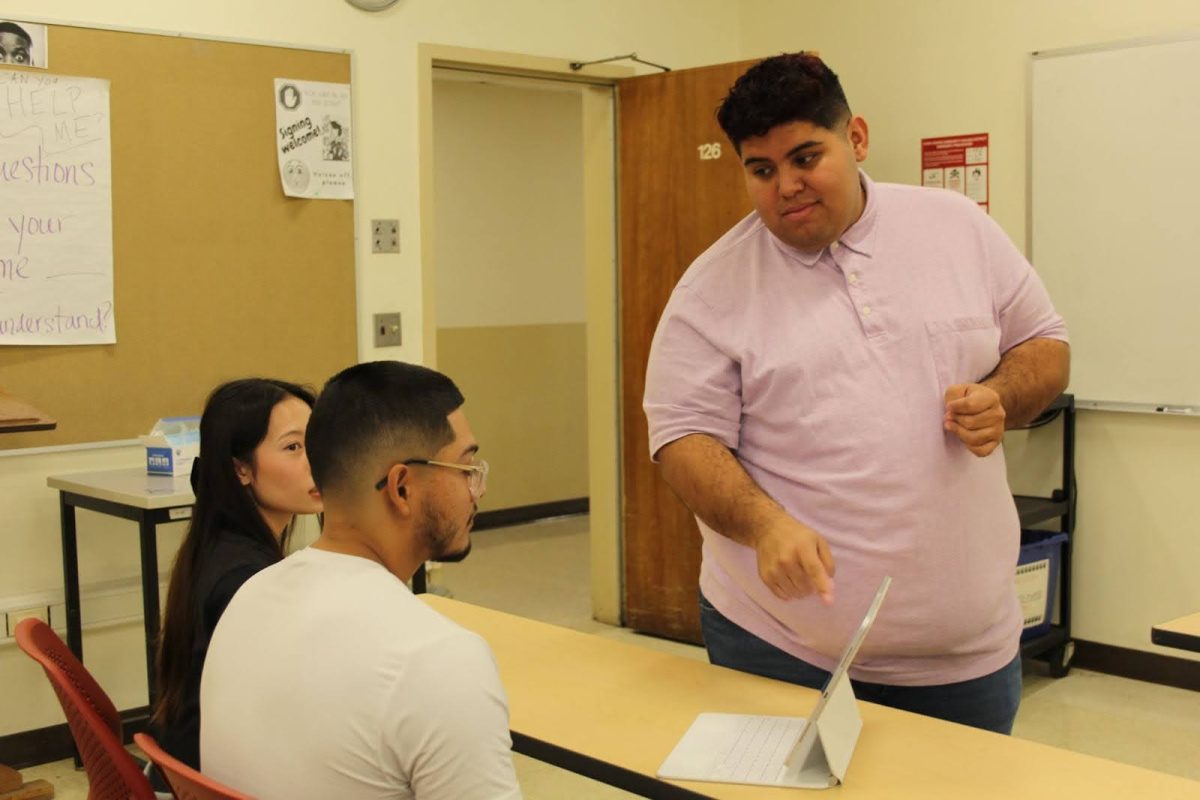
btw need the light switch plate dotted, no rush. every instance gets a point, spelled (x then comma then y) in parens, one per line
(387, 329)
(385, 236)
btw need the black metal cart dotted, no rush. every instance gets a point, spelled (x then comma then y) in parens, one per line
(1055, 646)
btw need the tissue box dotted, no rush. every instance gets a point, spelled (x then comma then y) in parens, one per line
(171, 445)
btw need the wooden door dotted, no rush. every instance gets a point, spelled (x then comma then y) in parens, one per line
(680, 188)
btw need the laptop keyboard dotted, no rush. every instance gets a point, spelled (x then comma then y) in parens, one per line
(757, 754)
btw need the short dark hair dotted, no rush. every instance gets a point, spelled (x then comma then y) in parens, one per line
(14, 28)
(376, 411)
(792, 87)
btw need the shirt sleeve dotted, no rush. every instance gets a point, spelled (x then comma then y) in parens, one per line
(449, 733)
(693, 382)
(1022, 303)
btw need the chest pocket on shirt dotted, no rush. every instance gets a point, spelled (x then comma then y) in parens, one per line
(964, 349)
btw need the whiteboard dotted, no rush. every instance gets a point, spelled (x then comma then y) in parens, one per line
(1115, 216)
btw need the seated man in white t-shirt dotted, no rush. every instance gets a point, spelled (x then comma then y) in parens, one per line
(327, 677)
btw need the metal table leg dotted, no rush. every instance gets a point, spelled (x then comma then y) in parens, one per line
(70, 555)
(149, 546)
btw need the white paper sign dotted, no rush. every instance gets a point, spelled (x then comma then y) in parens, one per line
(312, 139)
(56, 268)
(977, 182)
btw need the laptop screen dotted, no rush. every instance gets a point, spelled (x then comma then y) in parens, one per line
(843, 665)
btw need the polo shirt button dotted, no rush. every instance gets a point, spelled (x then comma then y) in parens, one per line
(866, 311)
(833, 246)
(854, 277)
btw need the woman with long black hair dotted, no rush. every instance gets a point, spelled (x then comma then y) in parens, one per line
(251, 479)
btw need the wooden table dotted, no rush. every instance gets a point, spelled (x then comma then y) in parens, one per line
(18, 416)
(613, 711)
(148, 500)
(1183, 633)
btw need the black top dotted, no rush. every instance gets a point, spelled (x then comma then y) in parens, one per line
(225, 565)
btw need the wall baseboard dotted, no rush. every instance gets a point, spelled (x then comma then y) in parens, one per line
(43, 745)
(519, 515)
(1125, 662)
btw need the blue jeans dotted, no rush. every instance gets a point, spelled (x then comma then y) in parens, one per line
(989, 702)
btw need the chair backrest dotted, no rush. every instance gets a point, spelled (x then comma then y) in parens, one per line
(95, 724)
(185, 782)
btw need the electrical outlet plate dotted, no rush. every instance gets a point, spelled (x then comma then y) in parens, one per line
(387, 329)
(385, 236)
(16, 615)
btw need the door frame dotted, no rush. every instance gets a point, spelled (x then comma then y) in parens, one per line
(600, 280)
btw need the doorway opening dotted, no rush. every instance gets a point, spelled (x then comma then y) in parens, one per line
(518, 269)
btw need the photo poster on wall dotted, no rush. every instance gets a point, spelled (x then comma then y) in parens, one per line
(56, 262)
(957, 163)
(312, 121)
(24, 43)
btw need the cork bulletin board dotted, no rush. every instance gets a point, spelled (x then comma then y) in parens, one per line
(216, 274)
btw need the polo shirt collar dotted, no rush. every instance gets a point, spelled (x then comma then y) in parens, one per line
(859, 237)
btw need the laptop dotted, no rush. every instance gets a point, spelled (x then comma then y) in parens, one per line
(780, 751)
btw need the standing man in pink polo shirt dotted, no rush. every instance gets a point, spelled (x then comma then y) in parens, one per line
(828, 390)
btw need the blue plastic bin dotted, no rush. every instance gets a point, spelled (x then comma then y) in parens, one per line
(1037, 578)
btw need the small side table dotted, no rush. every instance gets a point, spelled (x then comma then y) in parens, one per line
(148, 500)
(1183, 633)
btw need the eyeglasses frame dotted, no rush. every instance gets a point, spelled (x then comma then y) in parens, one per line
(480, 469)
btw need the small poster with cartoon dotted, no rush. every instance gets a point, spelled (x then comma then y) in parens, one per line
(312, 121)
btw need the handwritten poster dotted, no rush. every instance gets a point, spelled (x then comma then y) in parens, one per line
(312, 121)
(56, 268)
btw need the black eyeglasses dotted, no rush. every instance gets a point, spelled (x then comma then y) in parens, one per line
(476, 474)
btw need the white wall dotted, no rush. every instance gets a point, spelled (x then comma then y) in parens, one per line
(31, 564)
(679, 33)
(510, 256)
(919, 68)
(508, 163)
(939, 67)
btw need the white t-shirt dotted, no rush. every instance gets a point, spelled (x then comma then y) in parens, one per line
(327, 677)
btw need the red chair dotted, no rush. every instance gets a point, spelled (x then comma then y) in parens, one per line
(185, 782)
(95, 724)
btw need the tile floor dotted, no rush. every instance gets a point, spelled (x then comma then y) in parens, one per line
(541, 571)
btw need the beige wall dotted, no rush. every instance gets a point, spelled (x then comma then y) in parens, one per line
(527, 403)
(508, 199)
(680, 33)
(941, 67)
(508, 188)
(31, 564)
(920, 68)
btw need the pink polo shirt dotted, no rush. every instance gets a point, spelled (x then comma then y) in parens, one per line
(825, 374)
